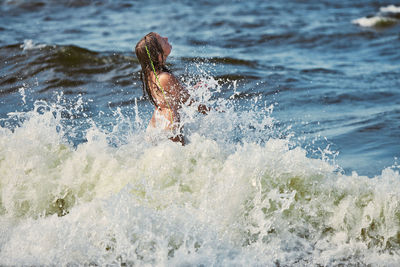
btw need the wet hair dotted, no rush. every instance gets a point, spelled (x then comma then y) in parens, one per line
(155, 50)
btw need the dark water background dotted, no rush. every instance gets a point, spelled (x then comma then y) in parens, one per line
(332, 81)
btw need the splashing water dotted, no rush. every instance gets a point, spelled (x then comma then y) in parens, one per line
(238, 194)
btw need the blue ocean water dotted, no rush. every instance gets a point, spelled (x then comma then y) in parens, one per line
(301, 168)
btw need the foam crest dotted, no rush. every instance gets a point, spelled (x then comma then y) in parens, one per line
(376, 21)
(30, 45)
(114, 199)
(390, 9)
(388, 16)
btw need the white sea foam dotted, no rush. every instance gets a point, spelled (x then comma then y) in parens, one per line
(29, 45)
(212, 202)
(390, 9)
(373, 21)
(381, 19)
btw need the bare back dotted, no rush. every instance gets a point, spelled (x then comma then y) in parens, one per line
(169, 100)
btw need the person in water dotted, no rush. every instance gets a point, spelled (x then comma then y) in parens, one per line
(163, 88)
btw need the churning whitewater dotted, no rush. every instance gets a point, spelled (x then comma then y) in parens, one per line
(115, 199)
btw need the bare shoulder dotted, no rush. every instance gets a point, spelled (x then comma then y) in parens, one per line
(169, 82)
(168, 79)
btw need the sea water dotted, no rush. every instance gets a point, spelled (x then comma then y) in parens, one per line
(296, 163)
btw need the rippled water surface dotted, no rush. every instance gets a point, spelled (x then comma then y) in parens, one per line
(300, 168)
